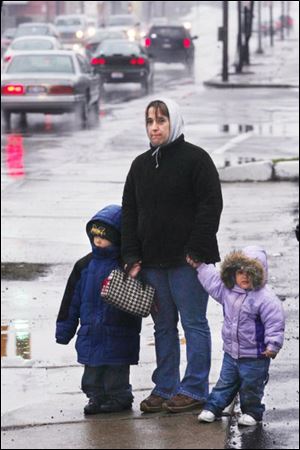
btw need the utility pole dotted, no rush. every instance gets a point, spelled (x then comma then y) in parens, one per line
(225, 42)
(239, 64)
(282, 22)
(259, 48)
(288, 18)
(271, 25)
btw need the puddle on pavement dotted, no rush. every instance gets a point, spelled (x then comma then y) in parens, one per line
(23, 271)
(16, 339)
(260, 129)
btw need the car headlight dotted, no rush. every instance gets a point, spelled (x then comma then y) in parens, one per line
(78, 49)
(187, 25)
(91, 31)
(79, 34)
(131, 34)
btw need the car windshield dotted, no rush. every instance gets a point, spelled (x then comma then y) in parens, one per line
(32, 44)
(107, 34)
(170, 32)
(121, 20)
(118, 48)
(36, 29)
(69, 22)
(41, 64)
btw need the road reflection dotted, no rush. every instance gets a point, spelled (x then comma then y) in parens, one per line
(16, 339)
(14, 156)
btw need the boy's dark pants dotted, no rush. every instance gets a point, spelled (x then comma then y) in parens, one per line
(106, 383)
(246, 376)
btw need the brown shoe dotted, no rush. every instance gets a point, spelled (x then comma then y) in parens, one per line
(151, 404)
(180, 403)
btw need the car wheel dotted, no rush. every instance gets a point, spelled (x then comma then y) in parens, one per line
(7, 119)
(82, 113)
(96, 111)
(23, 119)
(146, 86)
(101, 87)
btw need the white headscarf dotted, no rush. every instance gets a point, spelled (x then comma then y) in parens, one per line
(176, 123)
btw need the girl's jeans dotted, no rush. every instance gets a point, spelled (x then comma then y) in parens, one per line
(179, 291)
(248, 376)
(104, 383)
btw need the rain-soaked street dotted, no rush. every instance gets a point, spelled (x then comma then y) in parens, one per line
(55, 176)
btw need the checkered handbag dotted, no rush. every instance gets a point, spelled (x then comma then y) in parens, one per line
(127, 293)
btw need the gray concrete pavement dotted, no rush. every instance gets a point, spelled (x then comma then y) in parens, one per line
(277, 67)
(42, 402)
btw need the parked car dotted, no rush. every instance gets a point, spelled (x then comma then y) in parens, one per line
(127, 23)
(35, 43)
(49, 82)
(122, 61)
(284, 22)
(6, 38)
(171, 44)
(36, 28)
(73, 29)
(101, 34)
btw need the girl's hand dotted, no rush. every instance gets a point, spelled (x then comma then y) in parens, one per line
(269, 353)
(193, 263)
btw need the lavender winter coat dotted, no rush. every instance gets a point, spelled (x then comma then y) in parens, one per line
(253, 320)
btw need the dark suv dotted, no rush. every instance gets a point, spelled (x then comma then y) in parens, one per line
(171, 44)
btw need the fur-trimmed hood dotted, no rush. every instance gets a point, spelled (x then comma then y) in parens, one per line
(252, 259)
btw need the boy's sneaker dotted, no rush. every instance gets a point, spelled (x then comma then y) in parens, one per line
(247, 420)
(152, 404)
(114, 405)
(206, 416)
(93, 407)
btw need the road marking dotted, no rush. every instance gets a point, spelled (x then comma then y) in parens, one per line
(232, 143)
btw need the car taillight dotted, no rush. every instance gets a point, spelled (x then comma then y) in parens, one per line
(61, 90)
(7, 58)
(98, 61)
(147, 42)
(13, 89)
(186, 43)
(137, 61)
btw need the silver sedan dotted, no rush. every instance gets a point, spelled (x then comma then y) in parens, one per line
(50, 82)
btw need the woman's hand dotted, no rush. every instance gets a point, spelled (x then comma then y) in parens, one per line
(133, 269)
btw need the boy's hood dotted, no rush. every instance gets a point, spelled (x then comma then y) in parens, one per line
(252, 259)
(111, 215)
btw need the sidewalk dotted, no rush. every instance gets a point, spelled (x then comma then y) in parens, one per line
(276, 67)
(42, 402)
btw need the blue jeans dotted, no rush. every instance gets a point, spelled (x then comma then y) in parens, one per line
(246, 376)
(179, 291)
(104, 383)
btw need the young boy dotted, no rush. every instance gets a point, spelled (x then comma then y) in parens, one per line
(108, 339)
(252, 331)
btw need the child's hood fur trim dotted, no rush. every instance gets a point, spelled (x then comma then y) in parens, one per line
(238, 260)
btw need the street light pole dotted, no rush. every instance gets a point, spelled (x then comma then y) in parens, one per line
(239, 64)
(259, 48)
(225, 42)
(271, 25)
(282, 22)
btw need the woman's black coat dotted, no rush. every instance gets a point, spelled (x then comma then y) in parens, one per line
(171, 210)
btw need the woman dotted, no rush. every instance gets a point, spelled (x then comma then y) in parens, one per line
(172, 203)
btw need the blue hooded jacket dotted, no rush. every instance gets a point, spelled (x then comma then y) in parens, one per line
(106, 335)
